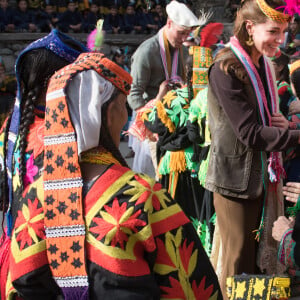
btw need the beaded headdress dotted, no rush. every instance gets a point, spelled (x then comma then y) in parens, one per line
(275, 14)
(294, 66)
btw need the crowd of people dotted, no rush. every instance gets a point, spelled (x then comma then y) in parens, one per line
(215, 131)
(81, 16)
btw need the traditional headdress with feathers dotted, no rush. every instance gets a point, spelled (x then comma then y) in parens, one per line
(95, 38)
(202, 54)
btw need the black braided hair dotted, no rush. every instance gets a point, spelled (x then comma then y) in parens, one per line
(3, 174)
(36, 68)
(105, 137)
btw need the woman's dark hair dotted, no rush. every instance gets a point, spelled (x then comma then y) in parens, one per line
(283, 60)
(105, 137)
(295, 80)
(35, 69)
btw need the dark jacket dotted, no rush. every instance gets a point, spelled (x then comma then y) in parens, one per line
(6, 17)
(240, 143)
(23, 19)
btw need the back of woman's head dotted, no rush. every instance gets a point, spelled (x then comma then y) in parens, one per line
(250, 10)
(35, 69)
(282, 62)
(295, 80)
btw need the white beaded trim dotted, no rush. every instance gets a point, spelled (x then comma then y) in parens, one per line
(63, 184)
(62, 231)
(59, 139)
(72, 281)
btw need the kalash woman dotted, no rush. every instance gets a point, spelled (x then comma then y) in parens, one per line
(21, 160)
(109, 233)
(246, 130)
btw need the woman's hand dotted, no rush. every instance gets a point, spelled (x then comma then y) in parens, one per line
(280, 226)
(291, 191)
(278, 120)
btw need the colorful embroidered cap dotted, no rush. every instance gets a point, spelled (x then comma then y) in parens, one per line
(115, 74)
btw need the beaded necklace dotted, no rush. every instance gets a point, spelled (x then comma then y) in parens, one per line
(99, 156)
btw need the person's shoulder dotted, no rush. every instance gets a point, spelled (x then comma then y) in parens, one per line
(149, 44)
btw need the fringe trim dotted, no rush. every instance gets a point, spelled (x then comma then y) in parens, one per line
(177, 161)
(161, 113)
(173, 180)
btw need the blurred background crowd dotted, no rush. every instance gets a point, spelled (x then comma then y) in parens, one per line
(120, 16)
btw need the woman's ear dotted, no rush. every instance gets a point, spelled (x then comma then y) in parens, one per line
(249, 27)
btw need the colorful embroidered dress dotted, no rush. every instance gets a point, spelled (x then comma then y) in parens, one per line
(197, 126)
(179, 157)
(137, 242)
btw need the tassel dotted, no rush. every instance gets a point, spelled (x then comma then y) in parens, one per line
(177, 161)
(275, 169)
(161, 113)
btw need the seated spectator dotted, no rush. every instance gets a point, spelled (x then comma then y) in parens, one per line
(147, 20)
(7, 92)
(61, 6)
(6, 17)
(132, 23)
(113, 22)
(91, 18)
(119, 58)
(159, 16)
(24, 19)
(71, 19)
(34, 5)
(104, 6)
(47, 19)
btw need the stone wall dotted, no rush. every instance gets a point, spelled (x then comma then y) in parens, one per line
(12, 43)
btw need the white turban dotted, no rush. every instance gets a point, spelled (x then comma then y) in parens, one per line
(87, 92)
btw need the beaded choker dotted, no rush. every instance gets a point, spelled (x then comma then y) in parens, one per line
(99, 156)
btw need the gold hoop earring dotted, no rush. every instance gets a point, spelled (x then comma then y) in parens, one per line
(250, 41)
